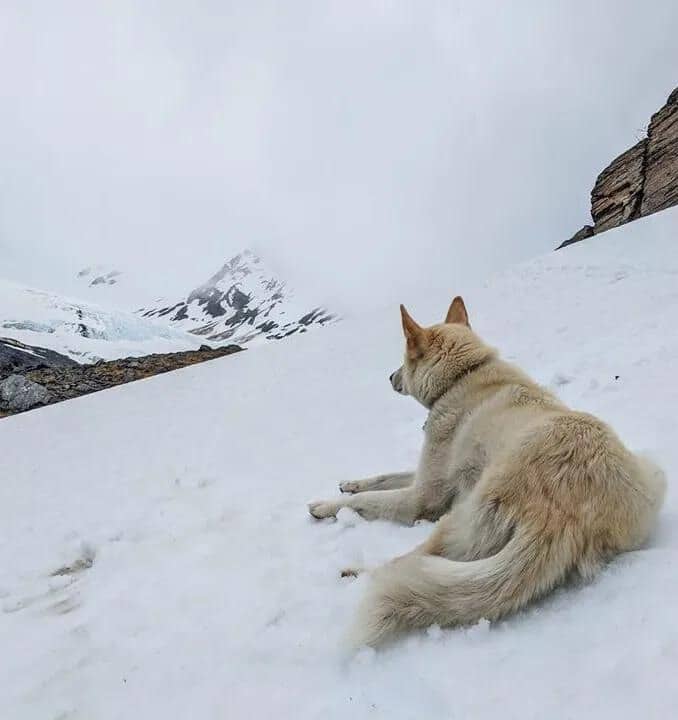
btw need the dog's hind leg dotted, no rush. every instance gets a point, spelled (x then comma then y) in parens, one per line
(389, 481)
(474, 528)
(403, 505)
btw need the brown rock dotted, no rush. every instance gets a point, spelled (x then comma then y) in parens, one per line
(642, 180)
(617, 194)
(661, 167)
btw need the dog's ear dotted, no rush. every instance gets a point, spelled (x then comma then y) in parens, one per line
(457, 313)
(414, 333)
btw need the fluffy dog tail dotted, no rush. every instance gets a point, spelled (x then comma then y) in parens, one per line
(417, 591)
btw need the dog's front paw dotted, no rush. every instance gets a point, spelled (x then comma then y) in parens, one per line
(351, 486)
(322, 509)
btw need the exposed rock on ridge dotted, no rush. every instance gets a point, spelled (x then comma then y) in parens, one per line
(17, 357)
(642, 180)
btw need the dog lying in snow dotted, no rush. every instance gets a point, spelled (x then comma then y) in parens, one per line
(526, 492)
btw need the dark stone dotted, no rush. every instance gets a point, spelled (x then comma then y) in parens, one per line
(18, 393)
(17, 357)
(181, 313)
(585, 232)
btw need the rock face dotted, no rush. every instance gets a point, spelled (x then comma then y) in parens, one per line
(661, 162)
(582, 234)
(18, 393)
(642, 180)
(618, 193)
(17, 357)
(46, 385)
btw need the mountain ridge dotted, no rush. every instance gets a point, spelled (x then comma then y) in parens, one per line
(243, 301)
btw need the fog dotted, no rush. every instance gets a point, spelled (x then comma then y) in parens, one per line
(369, 151)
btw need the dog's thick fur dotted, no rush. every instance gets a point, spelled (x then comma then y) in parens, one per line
(526, 491)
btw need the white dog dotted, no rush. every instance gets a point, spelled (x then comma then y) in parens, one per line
(527, 492)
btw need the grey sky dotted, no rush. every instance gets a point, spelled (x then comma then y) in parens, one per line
(366, 149)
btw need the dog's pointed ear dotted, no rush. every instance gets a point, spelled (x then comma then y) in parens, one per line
(414, 333)
(457, 312)
(410, 326)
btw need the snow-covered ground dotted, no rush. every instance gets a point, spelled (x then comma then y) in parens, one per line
(192, 583)
(81, 330)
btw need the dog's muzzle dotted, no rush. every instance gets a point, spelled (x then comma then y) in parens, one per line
(396, 379)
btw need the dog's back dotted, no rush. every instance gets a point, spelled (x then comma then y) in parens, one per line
(568, 498)
(540, 492)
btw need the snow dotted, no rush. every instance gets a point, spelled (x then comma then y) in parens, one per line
(192, 582)
(242, 303)
(81, 330)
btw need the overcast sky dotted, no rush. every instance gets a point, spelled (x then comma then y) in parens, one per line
(368, 150)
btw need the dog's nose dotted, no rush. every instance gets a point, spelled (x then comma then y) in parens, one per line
(390, 377)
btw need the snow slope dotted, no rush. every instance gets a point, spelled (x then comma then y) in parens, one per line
(80, 330)
(242, 302)
(192, 583)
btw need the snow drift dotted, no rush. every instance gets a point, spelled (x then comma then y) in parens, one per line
(158, 560)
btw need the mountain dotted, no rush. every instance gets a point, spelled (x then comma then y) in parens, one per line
(157, 559)
(98, 275)
(82, 331)
(641, 181)
(242, 302)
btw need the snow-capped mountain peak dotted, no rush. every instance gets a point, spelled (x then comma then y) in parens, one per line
(241, 302)
(99, 275)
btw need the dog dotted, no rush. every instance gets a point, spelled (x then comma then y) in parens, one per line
(525, 492)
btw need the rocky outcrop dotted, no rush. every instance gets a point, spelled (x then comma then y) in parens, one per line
(52, 384)
(618, 193)
(17, 357)
(642, 180)
(585, 232)
(661, 163)
(18, 393)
